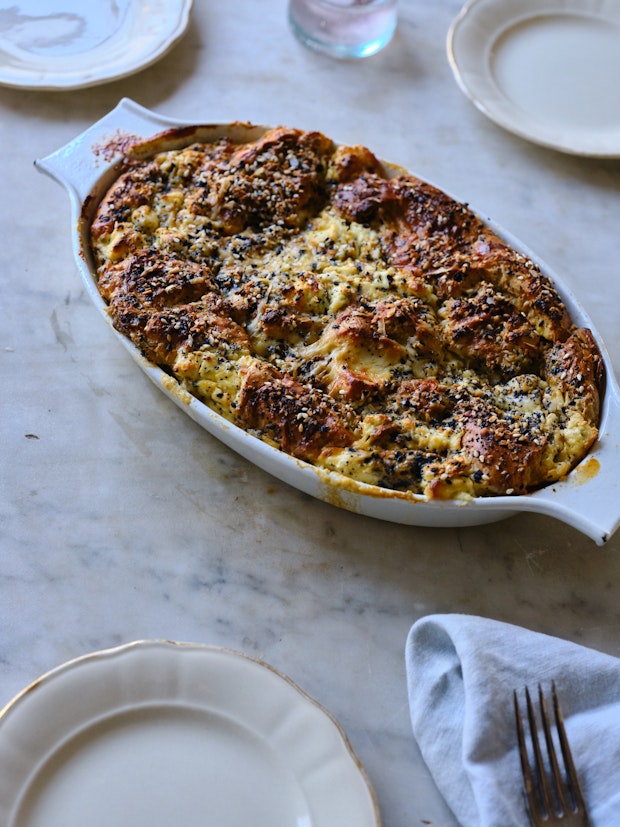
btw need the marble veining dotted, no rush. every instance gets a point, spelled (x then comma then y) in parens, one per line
(121, 519)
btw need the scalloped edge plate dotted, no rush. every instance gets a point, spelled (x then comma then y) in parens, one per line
(543, 69)
(157, 732)
(76, 44)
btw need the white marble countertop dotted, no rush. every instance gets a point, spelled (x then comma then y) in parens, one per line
(120, 519)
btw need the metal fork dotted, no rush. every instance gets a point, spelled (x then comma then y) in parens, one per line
(552, 798)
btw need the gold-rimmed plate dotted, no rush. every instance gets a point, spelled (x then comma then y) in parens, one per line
(160, 733)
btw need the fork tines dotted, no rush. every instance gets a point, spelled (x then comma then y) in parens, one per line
(552, 797)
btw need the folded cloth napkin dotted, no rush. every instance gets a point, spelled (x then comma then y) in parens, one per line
(461, 673)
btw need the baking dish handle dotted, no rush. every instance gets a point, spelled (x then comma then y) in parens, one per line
(589, 499)
(79, 164)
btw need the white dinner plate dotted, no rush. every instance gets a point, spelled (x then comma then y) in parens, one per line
(546, 70)
(68, 44)
(159, 733)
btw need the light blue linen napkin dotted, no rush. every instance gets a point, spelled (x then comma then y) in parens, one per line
(461, 673)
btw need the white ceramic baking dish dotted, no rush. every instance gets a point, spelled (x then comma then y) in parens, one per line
(588, 498)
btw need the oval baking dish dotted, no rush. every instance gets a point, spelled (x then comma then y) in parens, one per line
(588, 498)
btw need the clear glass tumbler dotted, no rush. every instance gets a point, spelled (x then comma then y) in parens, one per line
(343, 28)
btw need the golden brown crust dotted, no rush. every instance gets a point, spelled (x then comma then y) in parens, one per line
(277, 179)
(365, 323)
(507, 456)
(577, 368)
(487, 329)
(301, 419)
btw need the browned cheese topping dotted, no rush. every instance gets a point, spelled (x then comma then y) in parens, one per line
(367, 324)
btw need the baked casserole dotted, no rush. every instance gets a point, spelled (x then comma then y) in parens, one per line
(351, 315)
